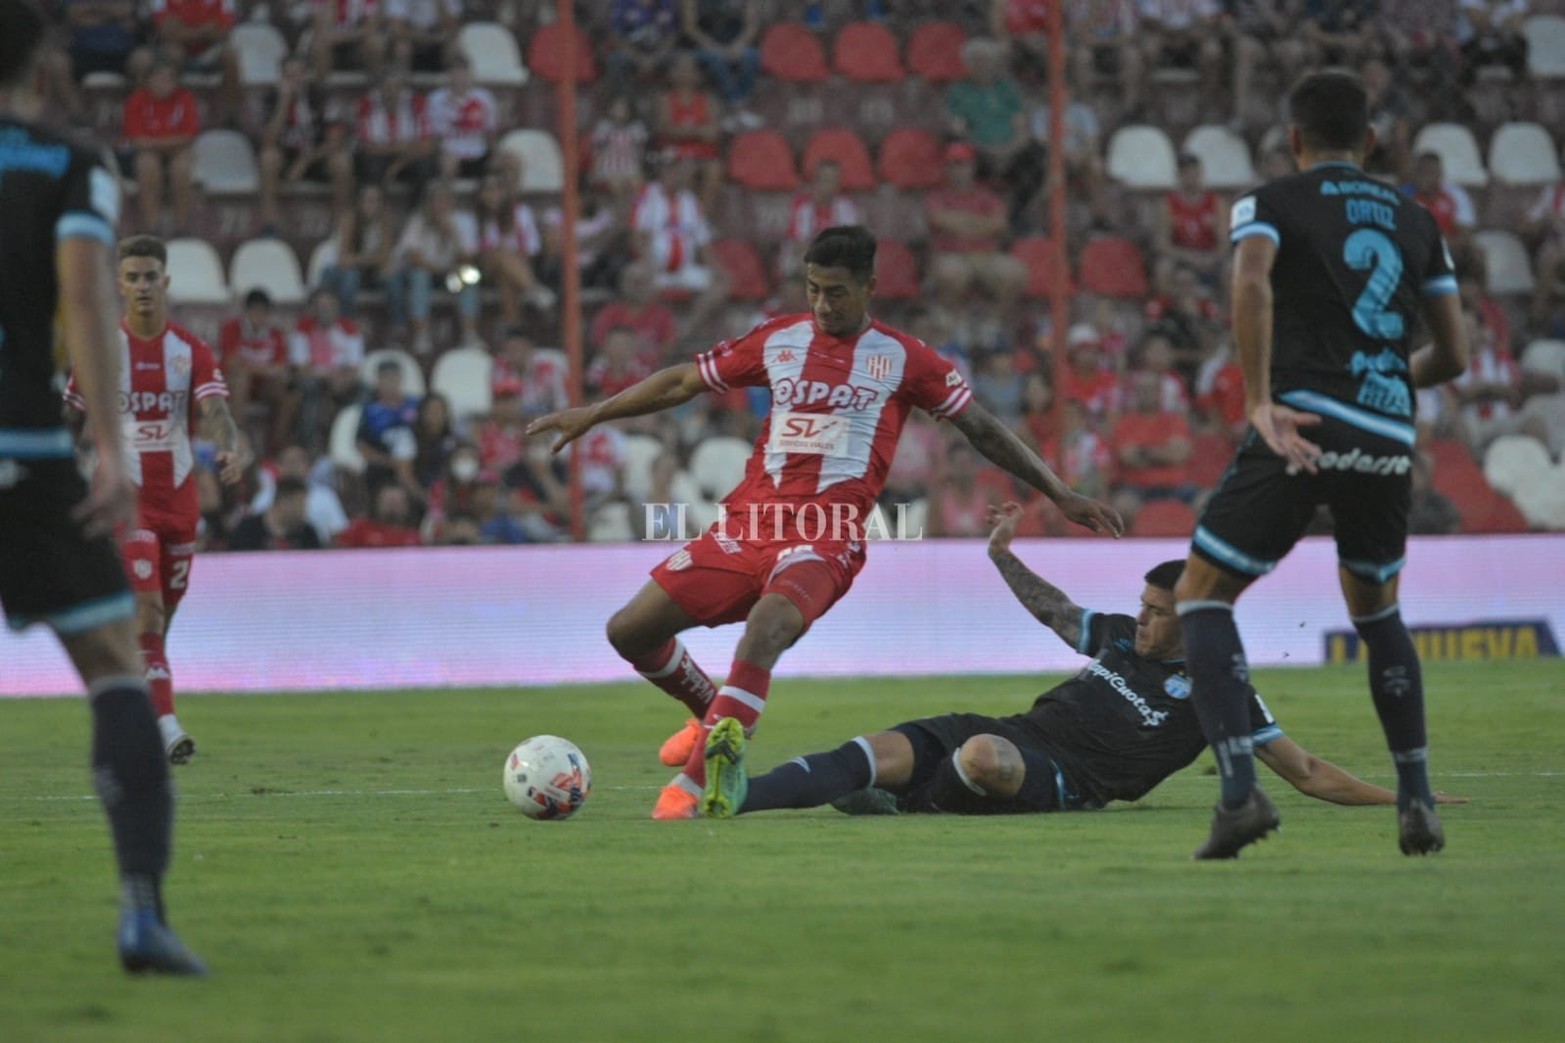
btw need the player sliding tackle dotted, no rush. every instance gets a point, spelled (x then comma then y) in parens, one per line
(1122, 725)
(842, 386)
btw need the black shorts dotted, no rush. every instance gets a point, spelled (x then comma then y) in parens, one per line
(1259, 511)
(937, 787)
(49, 572)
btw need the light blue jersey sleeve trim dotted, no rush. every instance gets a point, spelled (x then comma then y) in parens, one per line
(1255, 228)
(1084, 640)
(79, 619)
(1440, 286)
(1262, 736)
(1229, 555)
(82, 224)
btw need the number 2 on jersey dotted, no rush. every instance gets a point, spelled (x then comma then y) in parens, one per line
(1372, 251)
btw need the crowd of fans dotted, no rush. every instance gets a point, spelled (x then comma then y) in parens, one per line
(436, 249)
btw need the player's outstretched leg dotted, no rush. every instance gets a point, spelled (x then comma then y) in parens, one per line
(727, 781)
(1235, 828)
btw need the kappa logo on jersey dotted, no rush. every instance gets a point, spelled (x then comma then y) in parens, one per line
(878, 367)
(788, 393)
(786, 355)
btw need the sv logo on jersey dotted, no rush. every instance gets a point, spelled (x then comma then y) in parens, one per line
(818, 433)
(152, 435)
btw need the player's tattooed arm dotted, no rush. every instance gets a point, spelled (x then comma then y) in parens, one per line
(1044, 600)
(218, 427)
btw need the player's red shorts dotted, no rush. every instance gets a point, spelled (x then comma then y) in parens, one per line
(158, 554)
(717, 579)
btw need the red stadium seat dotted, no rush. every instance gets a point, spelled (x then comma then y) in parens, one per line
(791, 53)
(1037, 253)
(762, 160)
(1164, 518)
(896, 272)
(910, 158)
(866, 52)
(1209, 459)
(1456, 474)
(1489, 511)
(546, 48)
(1113, 266)
(850, 152)
(935, 52)
(747, 279)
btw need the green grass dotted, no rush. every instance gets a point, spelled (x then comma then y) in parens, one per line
(349, 867)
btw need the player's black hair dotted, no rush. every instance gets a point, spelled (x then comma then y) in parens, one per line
(1331, 110)
(1164, 576)
(844, 246)
(258, 298)
(21, 33)
(143, 246)
(288, 485)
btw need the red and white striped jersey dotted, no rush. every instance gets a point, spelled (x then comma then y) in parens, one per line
(521, 237)
(838, 407)
(404, 124)
(348, 14)
(676, 225)
(160, 378)
(1489, 365)
(463, 123)
(806, 219)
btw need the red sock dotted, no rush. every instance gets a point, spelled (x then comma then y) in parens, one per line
(674, 670)
(159, 678)
(743, 696)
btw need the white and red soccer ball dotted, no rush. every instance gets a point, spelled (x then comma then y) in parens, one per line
(547, 777)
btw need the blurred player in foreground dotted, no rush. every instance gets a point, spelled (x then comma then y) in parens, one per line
(1332, 272)
(58, 565)
(164, 369)
(842, 386)
(1116, 730)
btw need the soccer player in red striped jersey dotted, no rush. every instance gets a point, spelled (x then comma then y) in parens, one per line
(842, 386)
(170, 388)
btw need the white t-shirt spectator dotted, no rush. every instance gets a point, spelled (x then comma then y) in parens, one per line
(440, 252)
(464, 124)
(422, 14)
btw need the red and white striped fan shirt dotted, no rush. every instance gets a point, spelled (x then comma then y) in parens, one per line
(806, 219)
(160, 378)
(676, 225)
(348, 14)
(838, 407)
(403, 124)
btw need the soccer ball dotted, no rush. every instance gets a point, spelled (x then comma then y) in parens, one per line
(547, 777)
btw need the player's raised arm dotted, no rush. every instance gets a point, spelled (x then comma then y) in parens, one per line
(1000, 445)
(1323, 780)
(1252, 322)
(1048, 604)
(91, 338)
(664, 389)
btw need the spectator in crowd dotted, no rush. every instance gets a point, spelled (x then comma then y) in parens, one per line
(1089, 377)
(1184, 34)
(1260, 34)
(1083, 154)
(1188, 316)
(1489, 32)
(986, 111)
(439, 242)
(326, 350)
(1079, 456)
(1430, 513)
(1389, 115)
(496, 516)
(1545, 227)
(724, 34)
(452, 491)
(300, 143)
(619, 140)
(423, 33)
(617, 365)
(1102, 42)
(919, 462)
(602, 452)
(1220, 395)
(602, 242)
(998, 386)
(1023, 27)
(966, 222)
(1340, 32)
(959, 501)
(463, 119)
(365, 237)
(534, 376)
(1496, 397)
(459, 530)
(1151, 446)
(508, 241)
(193, 34)
(434, 440)
(1192, 228)
(102, 37)
(687, 126)
(1448, 201)
(322, 506)
(385, 437)
(670, 232)
(349, 35)
(1155, 355)
(395, 140)
(161, 122)
(1038, 420)
(390, 523)
(282, 525)
(642, 35)
(817, 208)
(253, 350)
(637, 308)
(538, 496)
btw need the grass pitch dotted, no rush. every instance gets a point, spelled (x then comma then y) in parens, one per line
(348, 865)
